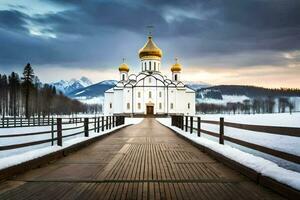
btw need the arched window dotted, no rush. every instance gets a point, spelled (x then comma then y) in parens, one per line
(123, 77)
(150, 65)
(159, 94)
(139, 105)
(110, 105)
(154, 66)
(150, 94)
(145, 66)
(189, 105)
(139, 94)
(160, 106)
(172, 106)
(128, 106)
(175, 77)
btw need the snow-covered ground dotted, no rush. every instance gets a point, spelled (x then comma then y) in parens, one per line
(283, 143)
(16, 156)
(93, 100)
(261, 165)
(226, 99)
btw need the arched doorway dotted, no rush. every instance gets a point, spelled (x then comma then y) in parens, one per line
(149, 108)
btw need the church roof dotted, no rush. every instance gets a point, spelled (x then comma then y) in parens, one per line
(150, 50)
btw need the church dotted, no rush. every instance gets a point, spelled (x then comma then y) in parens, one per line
(149, 92)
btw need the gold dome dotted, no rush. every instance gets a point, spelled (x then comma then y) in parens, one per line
(150, 50)
(176, 67)
(124, 67)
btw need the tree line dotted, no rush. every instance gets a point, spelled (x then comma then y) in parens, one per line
(27, 96)
(254, 106)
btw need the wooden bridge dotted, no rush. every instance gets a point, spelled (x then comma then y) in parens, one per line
(143, 161)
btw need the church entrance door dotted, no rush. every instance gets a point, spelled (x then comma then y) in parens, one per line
(150, 110)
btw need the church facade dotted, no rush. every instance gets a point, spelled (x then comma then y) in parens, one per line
(149, 92)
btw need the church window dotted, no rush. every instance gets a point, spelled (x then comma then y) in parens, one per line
(123, 77)
(150, 65)
(159, 94)
(160, 106)
(139, 94)
(189, 105)
(150, 94)
(154, 66)
(139, 105)
(128, 106)
(145, 66)
(172, 106)
(175, 77)
(149, 79)
(110, 105)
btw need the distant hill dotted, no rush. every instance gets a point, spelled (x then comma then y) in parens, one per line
(92, 91)
(196, 85)
(250, 91)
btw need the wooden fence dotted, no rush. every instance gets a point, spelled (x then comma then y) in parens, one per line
(186, 123)
(81, 125)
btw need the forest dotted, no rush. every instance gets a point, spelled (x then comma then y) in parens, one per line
(27, 96)
(253, 106)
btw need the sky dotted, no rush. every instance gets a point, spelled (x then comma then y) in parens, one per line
(249, 42)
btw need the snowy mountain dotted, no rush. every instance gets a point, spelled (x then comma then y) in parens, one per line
(196, 85)
(67, 87)
(93, 93)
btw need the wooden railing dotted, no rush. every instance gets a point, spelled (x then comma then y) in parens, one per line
(13, 122)
(81, 125)
(186, 123)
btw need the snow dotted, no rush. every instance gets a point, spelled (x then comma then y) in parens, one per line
(93, 100)
(283, 143)
(9, 159)
(260, 165)
(226, 99)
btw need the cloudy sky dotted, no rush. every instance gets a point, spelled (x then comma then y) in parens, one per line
(253, 42)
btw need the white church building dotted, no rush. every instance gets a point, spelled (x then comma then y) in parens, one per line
(149, 92)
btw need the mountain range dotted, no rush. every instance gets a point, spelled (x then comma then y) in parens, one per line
(66, 87)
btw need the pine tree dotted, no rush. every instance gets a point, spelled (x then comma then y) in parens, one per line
(28, 76)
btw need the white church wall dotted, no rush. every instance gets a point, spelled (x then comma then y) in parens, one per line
(108, 100)
(118, 103)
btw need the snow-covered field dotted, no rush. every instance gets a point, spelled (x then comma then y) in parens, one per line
(278, 142)
(93, 100)
(261, 165)
(226, 99)
(16, 156)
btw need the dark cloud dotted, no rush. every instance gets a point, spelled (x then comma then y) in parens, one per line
(186, 27)
(12, 20)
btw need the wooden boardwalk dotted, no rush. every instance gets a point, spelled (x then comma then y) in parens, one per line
(144, 161)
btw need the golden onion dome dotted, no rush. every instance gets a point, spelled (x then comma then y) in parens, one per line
(176, 67)
(124, 67)
(150, 50)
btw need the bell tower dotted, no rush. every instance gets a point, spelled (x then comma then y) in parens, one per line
(150, 56)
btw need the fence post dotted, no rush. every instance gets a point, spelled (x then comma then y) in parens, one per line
(221, 139)
(95, 124)
(198, 126)
(59, 132)
(98, 125)
(191, 127)
(186, 123)
(86, 127)
(52, 132)
(102, 127)
(106, 122)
